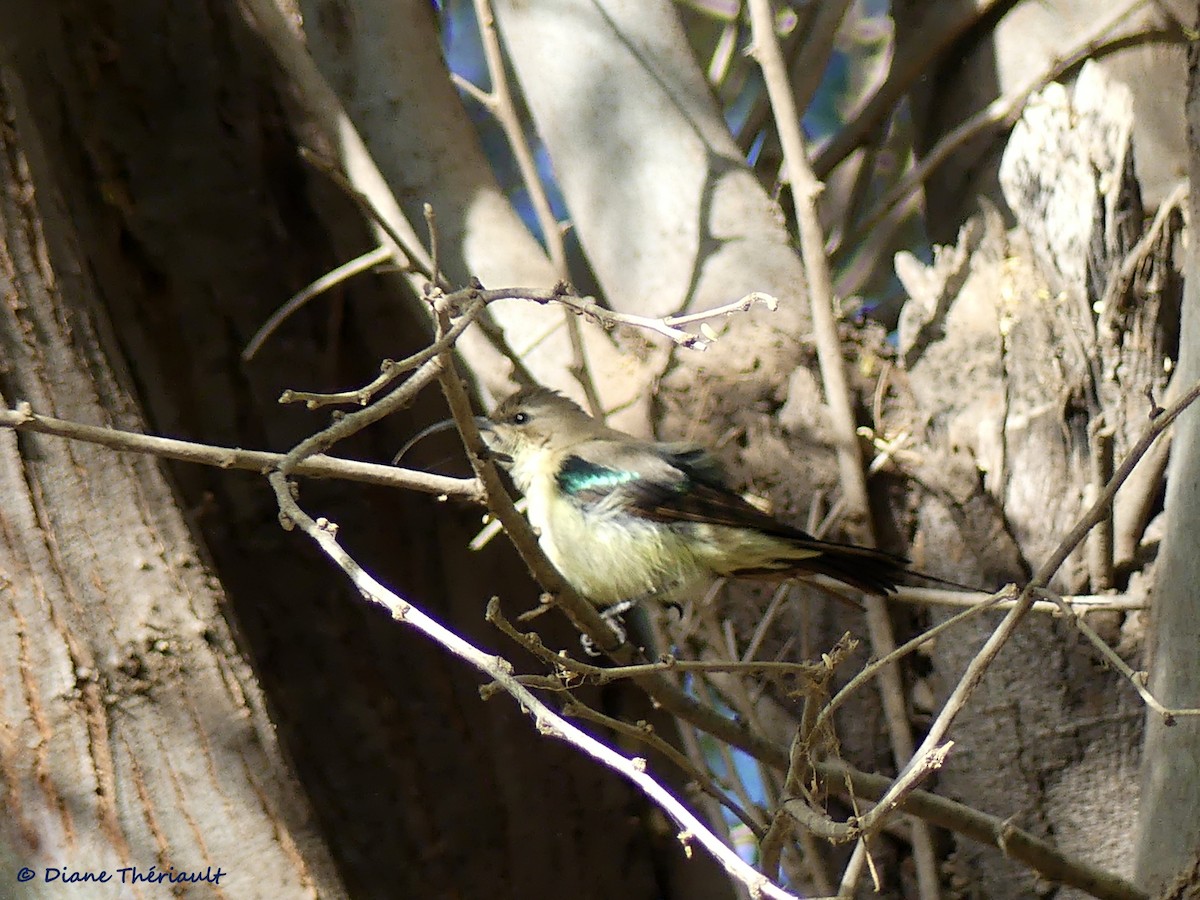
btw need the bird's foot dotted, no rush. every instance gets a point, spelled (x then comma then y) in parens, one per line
(612, 617)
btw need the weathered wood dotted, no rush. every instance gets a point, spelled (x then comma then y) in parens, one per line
(1168, 845)
(173, 139)
(1044, 340)
(137, 740)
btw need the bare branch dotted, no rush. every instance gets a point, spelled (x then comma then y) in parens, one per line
(1001, 113)
(1137, 679)
(545, 719)
(333, 277)
(23, 418)
(1079, 603)
(1041, 856)
(805, 191)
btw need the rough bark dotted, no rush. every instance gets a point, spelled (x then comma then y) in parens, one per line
(177, 166)
(1169, 818)
(1012, 43)
(137, 739)
(1033, 343)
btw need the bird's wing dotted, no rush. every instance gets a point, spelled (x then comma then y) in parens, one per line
(663, 483)
(674, 483)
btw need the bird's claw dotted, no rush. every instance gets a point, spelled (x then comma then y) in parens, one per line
(612, 618)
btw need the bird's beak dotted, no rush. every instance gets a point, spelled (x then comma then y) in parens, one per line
(491, 440)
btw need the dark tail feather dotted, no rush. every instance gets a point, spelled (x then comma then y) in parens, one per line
(871, 571)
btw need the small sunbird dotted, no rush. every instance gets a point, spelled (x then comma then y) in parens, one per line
(625, 519)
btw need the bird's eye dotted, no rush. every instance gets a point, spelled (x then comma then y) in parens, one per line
(520, 418)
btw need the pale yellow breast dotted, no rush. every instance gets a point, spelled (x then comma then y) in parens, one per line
(609, 557)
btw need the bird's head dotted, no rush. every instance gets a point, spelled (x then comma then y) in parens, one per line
(532, 428)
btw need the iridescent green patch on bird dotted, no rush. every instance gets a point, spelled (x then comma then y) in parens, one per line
(578, 476)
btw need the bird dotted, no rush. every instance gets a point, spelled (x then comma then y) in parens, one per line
(624, 519)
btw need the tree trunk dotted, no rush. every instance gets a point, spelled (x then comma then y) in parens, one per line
(178, 217)
(174, 151)
(1024, 348)
(1169, 819)
(137, 739)
(1004, 55)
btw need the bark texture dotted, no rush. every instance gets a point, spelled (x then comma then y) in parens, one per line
(174, 148)
(1170, 813)
(1022, 348)
(1009, 47)
(137, 739)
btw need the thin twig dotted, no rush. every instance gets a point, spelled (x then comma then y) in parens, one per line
(644, 732)
(601, 675)
(805, 191)
(821, 824)
(1100, 541)
(669, 326)
(853, 870)
(1080, 603)
(778, 597)
(900, 652)
(23, 418)
(545, 719)
(437, 281)
(390, 370)
(1137, 679)
(470, 303)
(333, 277)
(1001, 113)
(352, 423)
(499, 102)
(729, 309)
(723, 53)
